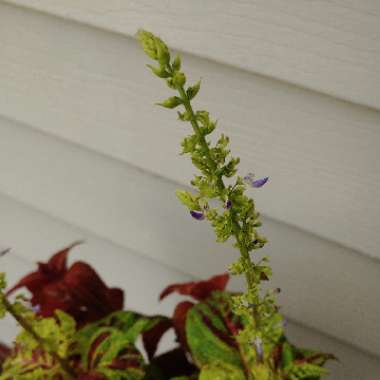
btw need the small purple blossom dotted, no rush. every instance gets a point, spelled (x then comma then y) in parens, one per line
(258, 344)
(198, 215)
(260, 182)
(36, 308)
(249, 179)
(228, 205)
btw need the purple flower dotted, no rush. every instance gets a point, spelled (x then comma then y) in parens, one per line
(228, 205)
(249, 179)
(258, 344)
(260, 182)
(36, 308)
(198, 215)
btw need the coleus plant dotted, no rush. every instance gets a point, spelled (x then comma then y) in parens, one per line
(73, 326)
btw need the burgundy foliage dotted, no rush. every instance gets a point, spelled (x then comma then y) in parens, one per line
(199, 290)
(5, 351)
(174, 363)
(152, 337)
(78, 290)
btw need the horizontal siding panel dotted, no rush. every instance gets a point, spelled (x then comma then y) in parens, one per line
(35, 237)
(140, 277)
(324, 285)
(92, 87)
(352, 365)
(332, 47)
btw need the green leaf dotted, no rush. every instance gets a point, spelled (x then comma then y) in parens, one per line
(29, 362)
(303, 371)
(261, 372)
(129, 323)
(312, 356)
(223, 227)
(189, 143)
(206, 187)
(188, 199)
(205, 345)
(192, 91)
(3, 311)
(184, 116)
(109, 351)
(3, 283)
(287, 354)
(159, 71)
(171, 102)
(221, 371)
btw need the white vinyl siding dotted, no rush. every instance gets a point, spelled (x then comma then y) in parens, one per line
(84, 154)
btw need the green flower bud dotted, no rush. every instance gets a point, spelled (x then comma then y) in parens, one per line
(171, 83)
(148, 43)
(192, 91)
(236, 268)
(176, 63)
(3, 283)
(184, 116)
(172, 102)
(153, 46)
(162, 52)
(179, 79)
(188, 199)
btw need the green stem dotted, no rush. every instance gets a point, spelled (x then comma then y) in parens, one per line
(197, 130)
(249, 274)
(27, 327)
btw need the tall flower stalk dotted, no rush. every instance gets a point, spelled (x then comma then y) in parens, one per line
(235, 217)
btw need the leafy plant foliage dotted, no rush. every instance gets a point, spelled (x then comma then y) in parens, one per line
(208, 342)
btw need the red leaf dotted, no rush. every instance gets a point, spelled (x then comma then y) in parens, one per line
(199, 290)
(79, 290)
(4, 353)
(179, 321)
(152, 337)
(46, 272)
(91, 298)
(92, 376)
(174, 363)
(94, 345)
(58, 262)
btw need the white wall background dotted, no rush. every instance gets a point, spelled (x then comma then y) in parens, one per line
(84, 154)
